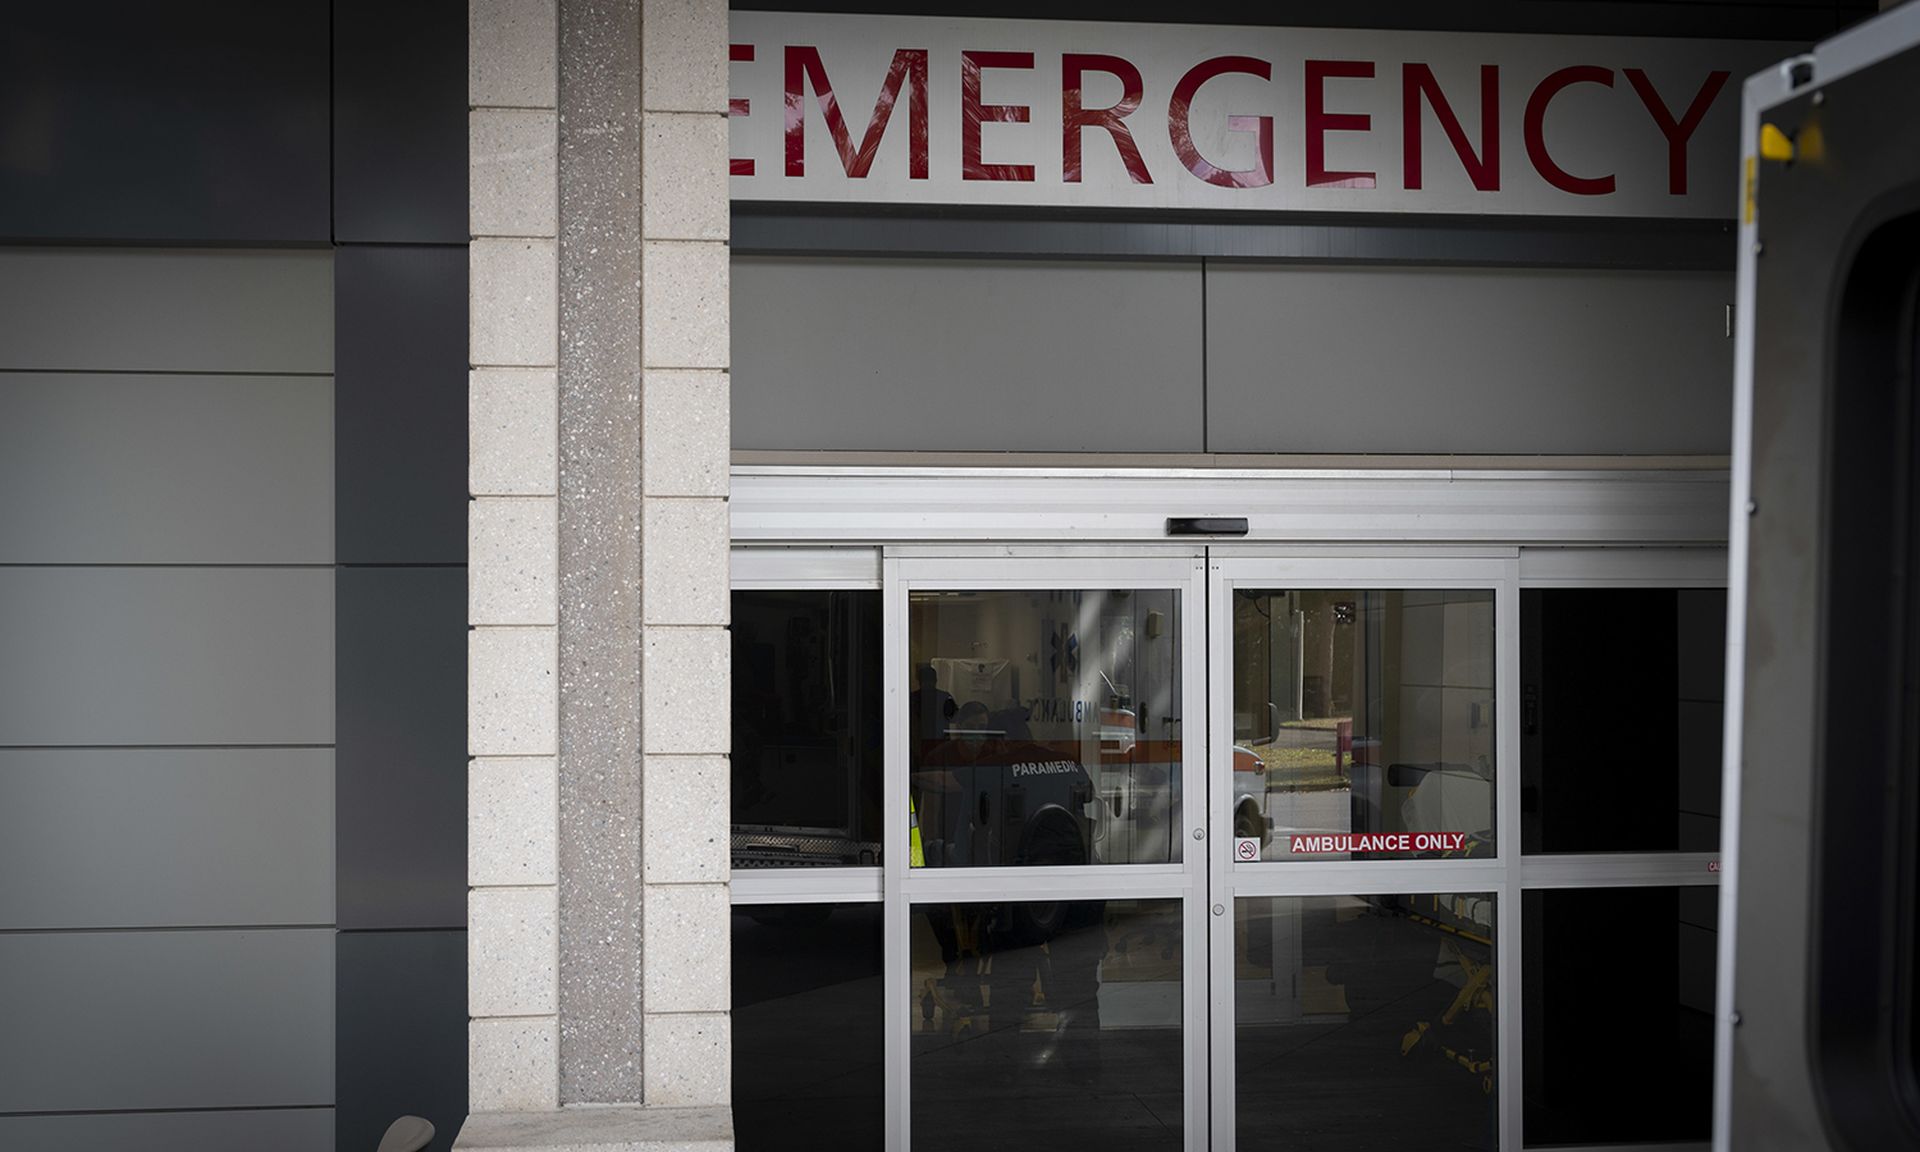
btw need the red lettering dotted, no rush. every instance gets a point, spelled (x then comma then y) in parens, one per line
(973, 113)
(1677, 132)
(1319, 122)
(1075, 118)
(1483, 167)
(1180, 124)
(739, 106)
(909, 66)
(1535, 130)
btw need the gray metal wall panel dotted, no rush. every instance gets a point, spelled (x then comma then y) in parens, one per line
(282, 1130)
(400, 404)
(166, 656)
(966, 355)
(166, 310)
(402, 1028)
(129, 838)
(401, 726)
(400, 122)
(146, 1020)
(117, 469)
(192, 122)
(1305, 358)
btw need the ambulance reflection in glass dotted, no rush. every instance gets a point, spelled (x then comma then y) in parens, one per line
(1371, 713)
(1044, 726)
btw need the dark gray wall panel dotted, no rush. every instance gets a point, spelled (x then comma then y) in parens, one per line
(400, 412)
(166, 656)
(166, 310)
(766, 228)
(402, 752)
(195, 121)
(1305, 358)
(402, 1034)
(125, 838)
(966, 355)
(117, 469)
(280, 1129)
(400, 122)
(147, 1020)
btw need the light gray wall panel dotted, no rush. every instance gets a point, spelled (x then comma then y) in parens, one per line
(166, 656)
(281, 1130)
(103, 469)
(166, 310)
(126, 838)
(960, 355)
(1310, 358)
(146, 1020)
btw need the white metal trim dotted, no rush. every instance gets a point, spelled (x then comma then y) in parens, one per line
(1410, 572)
(1758, 89)
(987, 505)
(805, 885)
(1636, 870)
(1508, 938)
(1623, 567)
(772, 567)
(1222, 1093)
(1196, 734)
(1093, 882)
(896, 959)
(1367, 878)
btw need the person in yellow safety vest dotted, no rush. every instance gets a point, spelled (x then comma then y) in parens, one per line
(916, 855)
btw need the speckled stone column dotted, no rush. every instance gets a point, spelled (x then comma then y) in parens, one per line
(601, 912)
(511, 566)
(600, 678)
(685, 353)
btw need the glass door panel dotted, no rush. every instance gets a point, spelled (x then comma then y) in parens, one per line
(1364, 1022)
(1044, 726)
(1363, 722)
(1360, 904)
(1069, 1037)
(1048, 939)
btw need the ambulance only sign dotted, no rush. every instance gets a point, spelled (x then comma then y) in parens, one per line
(1379, 842)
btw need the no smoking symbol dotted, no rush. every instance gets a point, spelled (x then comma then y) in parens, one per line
(1247, 850)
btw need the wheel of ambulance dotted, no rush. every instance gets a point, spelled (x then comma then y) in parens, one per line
(1248, 823)
(1035, 922)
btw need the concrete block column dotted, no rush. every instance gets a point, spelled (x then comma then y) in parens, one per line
(685, 356)
(599, 544)
(512, 552)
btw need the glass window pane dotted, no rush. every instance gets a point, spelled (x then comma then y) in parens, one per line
(1618, 1006)
(809, 1067)
(1044, 726)
(1621, 703)
(1047, 1026)
(1365, 1022)
(1363, 722)
(807, 728)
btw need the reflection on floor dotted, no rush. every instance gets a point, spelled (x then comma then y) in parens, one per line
(1361, 1023)
(1047, 1026)
(1364, 1023)
(808, 1057)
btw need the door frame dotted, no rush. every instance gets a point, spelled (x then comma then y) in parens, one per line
(850, 527)
(910, 569)
(1495, 570)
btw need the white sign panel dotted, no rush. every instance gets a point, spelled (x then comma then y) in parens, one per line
(913, 110)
